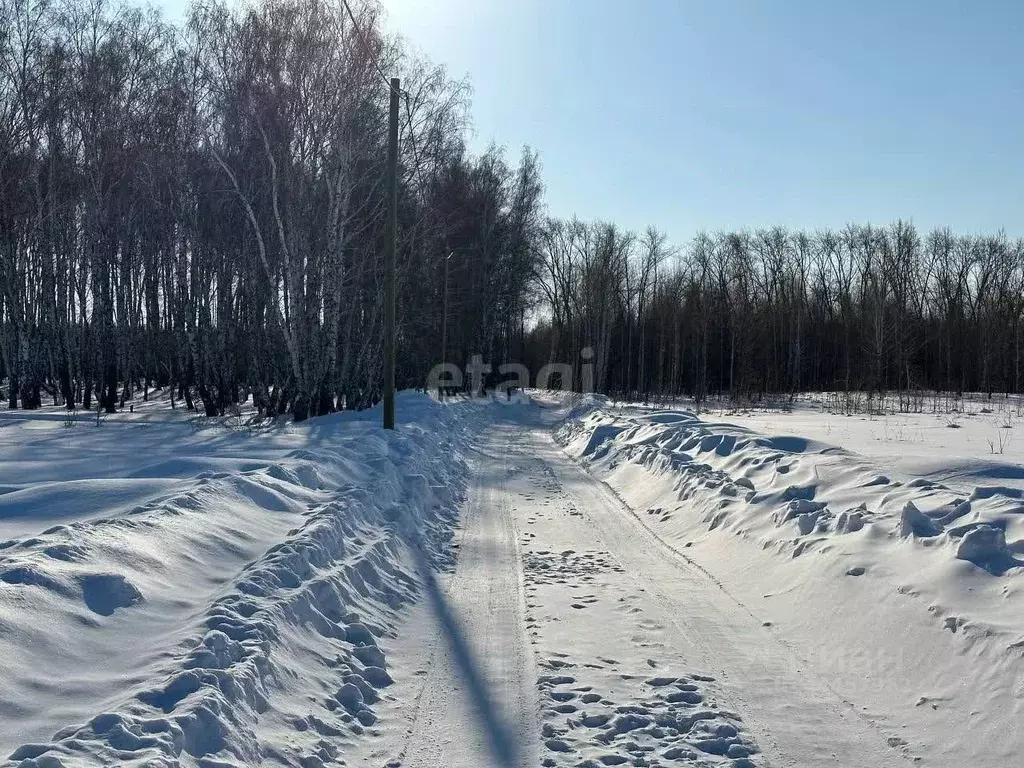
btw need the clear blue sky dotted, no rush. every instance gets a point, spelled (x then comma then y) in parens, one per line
(732, 113)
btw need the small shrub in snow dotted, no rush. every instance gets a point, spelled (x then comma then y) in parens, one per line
(999, 444)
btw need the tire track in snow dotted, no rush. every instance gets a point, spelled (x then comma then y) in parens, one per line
(797, 718)
(476, 705)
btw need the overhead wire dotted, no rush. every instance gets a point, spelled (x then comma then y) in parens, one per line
(387, 81)
(366, 44)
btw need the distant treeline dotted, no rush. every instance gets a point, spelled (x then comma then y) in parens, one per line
(771, 311)
(200, 207)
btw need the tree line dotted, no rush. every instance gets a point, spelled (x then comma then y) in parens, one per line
(771, 311)
(200, 207)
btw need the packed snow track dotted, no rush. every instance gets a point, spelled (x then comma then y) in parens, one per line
(581, 639)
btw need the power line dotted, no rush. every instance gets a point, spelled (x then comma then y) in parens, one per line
(387, 81)
(366, 45)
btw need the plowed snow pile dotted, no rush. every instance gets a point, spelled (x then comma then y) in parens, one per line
(904, 592)
(173, 595)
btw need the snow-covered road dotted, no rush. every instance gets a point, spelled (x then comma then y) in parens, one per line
(578, 635)
(527, 584)
(464, 666)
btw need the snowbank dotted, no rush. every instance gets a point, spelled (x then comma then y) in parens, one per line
(970, 442)
(207, 596)
(903, 592)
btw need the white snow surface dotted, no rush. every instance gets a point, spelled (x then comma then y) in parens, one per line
(562, 582)
(167, 590)
(895, 577)
(971, 441)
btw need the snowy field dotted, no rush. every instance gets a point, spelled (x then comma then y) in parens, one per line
(886, 551)
(171, 589)
(555, 582)
(980, 443)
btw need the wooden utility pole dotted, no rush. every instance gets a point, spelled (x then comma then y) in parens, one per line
(390, 249)
(444, 318)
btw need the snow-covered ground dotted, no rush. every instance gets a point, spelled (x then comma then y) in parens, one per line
(981, 443)
(563, 638)
(174, 590)
(894, 573)
(555, 582)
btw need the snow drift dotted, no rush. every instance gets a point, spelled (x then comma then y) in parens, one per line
(906, 593)
(204, 597)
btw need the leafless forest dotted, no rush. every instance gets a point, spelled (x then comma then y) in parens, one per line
(753, 313)
(199, 207)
